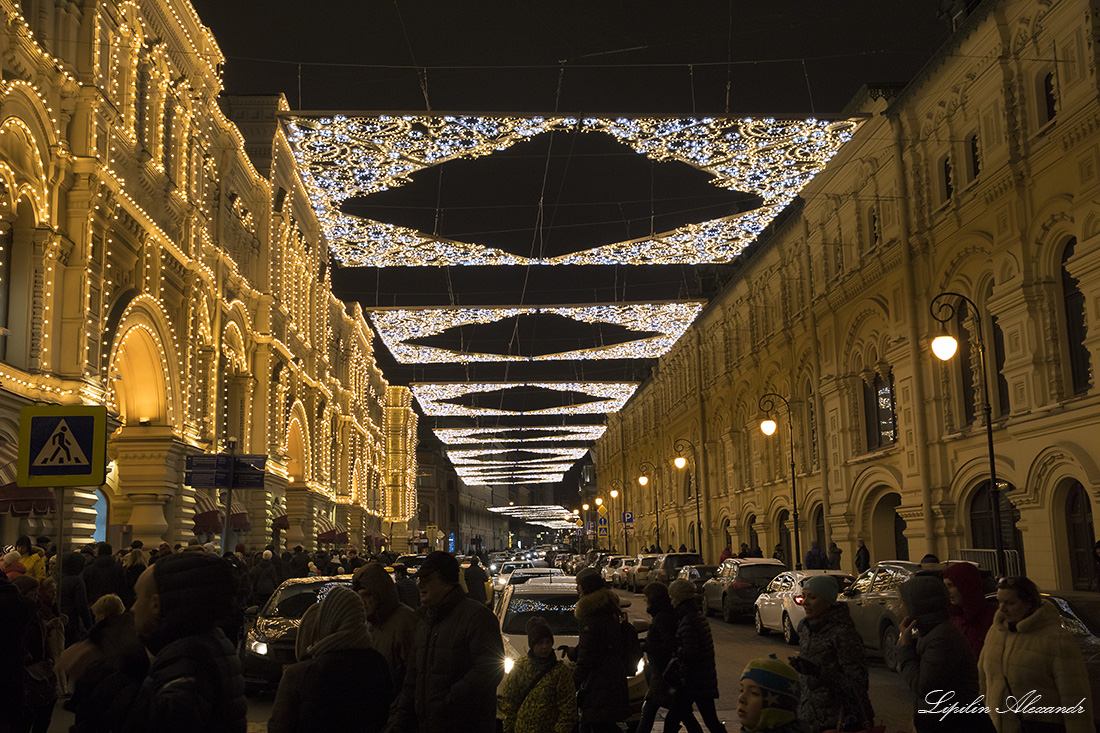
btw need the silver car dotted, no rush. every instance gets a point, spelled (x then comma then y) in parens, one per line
(779, 605)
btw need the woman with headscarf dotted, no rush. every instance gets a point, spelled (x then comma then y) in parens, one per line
(1028, 654)
(938, 665)
(970, 612)
(831, 664)
(325, 691)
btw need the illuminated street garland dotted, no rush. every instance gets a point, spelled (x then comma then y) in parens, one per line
(541, 433)
(342, 157)
(398, 326)
(547, 515)
(468, 457)
(513, 480)
(612, 396)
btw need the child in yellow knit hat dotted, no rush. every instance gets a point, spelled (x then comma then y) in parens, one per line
(769, 697)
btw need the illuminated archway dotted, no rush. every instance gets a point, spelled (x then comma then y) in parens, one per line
(142, 394)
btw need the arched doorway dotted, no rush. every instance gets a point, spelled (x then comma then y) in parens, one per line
(141, 390)
(783, 520)
(753, 539)
(817, 522)
(888, 541)
(691, 536)
(982, 528)
(1080, 538)
(727, 538)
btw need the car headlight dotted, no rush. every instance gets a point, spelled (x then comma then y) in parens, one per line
(493, 567)
(508, 664)
(257, 646)
(641, 666)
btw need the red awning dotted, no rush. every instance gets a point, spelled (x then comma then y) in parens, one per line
(239, 518)
(20, 501)
(329, 532)
(208, 519)
(282, 522)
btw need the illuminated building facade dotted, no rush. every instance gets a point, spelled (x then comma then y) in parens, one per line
(980, 176)
(158, 255)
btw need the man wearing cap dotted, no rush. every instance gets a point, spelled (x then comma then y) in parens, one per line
(695, 652)
(194, 682)
(831, 662)
(769, 697)
(457, 659)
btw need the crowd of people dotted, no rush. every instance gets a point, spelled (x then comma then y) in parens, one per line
(149, 641)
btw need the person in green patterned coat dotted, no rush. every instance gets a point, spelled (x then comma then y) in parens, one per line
(538, 694)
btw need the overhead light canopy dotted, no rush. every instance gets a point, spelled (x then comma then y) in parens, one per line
(533, 434)
(341, 157)
(431, 396)
(546, 515)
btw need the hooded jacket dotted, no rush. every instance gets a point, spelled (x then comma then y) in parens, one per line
(832, 642)
(599, 675)
(695, 650)
(104, 576)
(940, 659)
(35, 564)
(660, 640)
(392, 625)
(456, 664)
(1037, 656)
(974, 617)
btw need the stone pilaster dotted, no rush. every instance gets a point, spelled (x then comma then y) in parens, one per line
(149, 462)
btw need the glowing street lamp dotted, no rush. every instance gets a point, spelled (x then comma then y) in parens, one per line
(681, 462)
(768, 427)
(644, 469)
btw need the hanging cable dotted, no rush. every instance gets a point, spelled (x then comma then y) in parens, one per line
(691, 73)
(809, 91)
(729, 54)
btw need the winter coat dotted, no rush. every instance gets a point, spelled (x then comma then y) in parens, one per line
(74, 598)
(974, 617)
(599, 674)
(35, 564)
(1040, 656)
(453, 673)
(16, 610)
(660, 640)
(475, 583)
(392, 625)
(408, 593)
(940, 660)
(104, 576)
(695, 651)
(816, 559)
(834, 557)
(131, 573)
(316, 694)
(549, 707)
(15, 570)
(832, 642)
(863, 559)
(265, 579)
(194, 685)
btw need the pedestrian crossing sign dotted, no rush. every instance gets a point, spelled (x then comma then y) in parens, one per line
(62, 445)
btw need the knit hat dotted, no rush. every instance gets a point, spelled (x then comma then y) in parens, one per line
(681, 590)
(538, 629)
(440, 562)
(779, 682)
(823, 586)
(266, 555)
(589, 581)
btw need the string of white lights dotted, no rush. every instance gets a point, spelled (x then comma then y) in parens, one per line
(343, 157)
(431, 396)
(398, 326)
(541, 455)
(537, 434)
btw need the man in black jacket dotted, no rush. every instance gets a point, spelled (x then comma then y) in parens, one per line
(194, 683)
(104, 575)
(600, 674)
(695, 652)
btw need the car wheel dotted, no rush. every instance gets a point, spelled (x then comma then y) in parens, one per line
(789, 634)
(890, 648)
(727, 610)
(760, 627)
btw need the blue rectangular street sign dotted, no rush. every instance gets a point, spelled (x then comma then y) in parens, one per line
(206, 479)
(219, 462)
(602, 531)
(212, 471)
(628, 517)
(602, 521)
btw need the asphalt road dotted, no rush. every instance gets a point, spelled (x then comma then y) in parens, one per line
(736, 644)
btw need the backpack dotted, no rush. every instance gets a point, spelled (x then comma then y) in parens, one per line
(631, 647)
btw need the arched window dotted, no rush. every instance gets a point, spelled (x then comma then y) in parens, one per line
(874, 231)
(1002, 404)
(753, 537)
(878, 404)
(973, 156)
(810, 454)
(167, 139)
(1080, 537)
(1073, 308)
(946, 175)
(1048, 97)
(817, 526)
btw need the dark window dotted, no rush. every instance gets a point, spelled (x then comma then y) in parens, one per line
(1074, 307)
(982, 526)
(947, 186)
(1003, 404)
(1080, 537)
(819, 527)
(973, 156)
(878, 399)
(139, 107)
(166, 136)
(1049, 103)
(874, 236)
(811, 427)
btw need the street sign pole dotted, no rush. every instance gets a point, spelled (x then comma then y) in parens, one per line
(227, 533)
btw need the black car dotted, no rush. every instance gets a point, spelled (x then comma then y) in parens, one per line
(734, 588)
(269, 643)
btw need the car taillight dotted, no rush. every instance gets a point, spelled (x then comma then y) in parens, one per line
(798, 600)
(739, 585)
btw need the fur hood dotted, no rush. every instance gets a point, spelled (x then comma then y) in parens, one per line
(602, 601)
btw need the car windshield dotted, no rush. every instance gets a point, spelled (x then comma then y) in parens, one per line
(760, 572)
(1087, 611)
(679, 561)
(510, 566)
(648, 562)
(521, 578)
(293, 600)
(410, 561)
(556, 608)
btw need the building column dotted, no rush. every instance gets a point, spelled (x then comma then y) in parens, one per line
(148, 460)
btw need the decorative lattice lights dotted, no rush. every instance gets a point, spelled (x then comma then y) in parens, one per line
(476, 456)
(398, 326)
(431, 395)
(342, 157)
(547, 515)
(533, 434)
(515, 480)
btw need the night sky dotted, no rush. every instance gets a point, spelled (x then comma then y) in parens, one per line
(784, 58)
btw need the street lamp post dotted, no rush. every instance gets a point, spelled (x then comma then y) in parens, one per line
(681, 445)
(768, 426)
(944, 347)
(616, 485)
(585, 508)
(644, 469)
(599, 503)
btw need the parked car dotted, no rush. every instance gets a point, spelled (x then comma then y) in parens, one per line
(269, 643)
(875, 604)
(779, 605)
(614, 562)
(697, 575)
(667, 568)
(501, 579)
(556, 602)
(619, 575)
(739, 580)
(412, 563)
(638, 574)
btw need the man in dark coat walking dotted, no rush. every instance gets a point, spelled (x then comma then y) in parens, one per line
(194, 681)
(863, 557)
(457, 658)
(16, 611)
(599, 674)
(105, 575)
(695, 652)
(475, 580)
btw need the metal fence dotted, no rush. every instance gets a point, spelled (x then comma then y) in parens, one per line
(987, 559)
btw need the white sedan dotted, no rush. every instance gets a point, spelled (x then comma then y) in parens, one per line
(779, 605)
